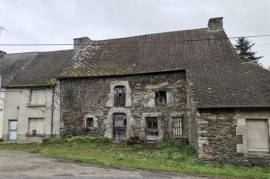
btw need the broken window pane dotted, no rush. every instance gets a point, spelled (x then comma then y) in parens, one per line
(89, 122)
(119, 96)
(161, 99)
(152, 126)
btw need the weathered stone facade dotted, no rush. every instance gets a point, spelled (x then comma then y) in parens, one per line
(82, 97)
(222, 137)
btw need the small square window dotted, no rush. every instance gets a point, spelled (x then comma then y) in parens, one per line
(89, 122)
(36, 126)
(38, 96)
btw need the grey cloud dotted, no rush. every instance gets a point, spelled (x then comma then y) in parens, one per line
(59, 21)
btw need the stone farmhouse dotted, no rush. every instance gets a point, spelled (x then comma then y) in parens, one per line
(183, 84)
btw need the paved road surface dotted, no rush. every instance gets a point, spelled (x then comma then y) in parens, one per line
(16, 165)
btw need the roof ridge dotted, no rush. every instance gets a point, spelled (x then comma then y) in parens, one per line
(150, 34)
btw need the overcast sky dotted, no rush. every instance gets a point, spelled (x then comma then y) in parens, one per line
(59, 21)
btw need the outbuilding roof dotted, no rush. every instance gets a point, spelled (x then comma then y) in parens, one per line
(33, 69)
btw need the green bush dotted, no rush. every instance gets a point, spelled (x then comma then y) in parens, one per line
(1, 140)
(89, 140)
(135, 141)
(74, 132)
(53, 140)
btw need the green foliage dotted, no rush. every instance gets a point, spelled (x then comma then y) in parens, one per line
(78, 140)
(1, 140)
(134, 141)
(89, 140)
(176, 144)
(243, 49)
(74, 131)
(53, 140)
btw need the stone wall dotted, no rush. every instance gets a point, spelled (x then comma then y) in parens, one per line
(220, 139)
(191, 119)
(94, 97)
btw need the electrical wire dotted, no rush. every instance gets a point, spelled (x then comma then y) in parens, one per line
(107, 42)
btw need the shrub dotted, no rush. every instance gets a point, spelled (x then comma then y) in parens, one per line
(78, 140)
(134, 141)
(1, 140)
(53, 140)
(74, 132)
(89, 140)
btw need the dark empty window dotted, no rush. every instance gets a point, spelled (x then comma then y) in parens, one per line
(152, 126)
(119, 126)
(89, 122)
(177, 126)
(161, 98)
(119, 96)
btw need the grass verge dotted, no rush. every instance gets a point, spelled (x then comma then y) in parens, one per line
(170, 156)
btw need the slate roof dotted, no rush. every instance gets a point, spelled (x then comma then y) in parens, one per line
(33, 69)
(214, 72)
(11, 64)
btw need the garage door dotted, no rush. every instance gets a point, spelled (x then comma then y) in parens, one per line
(258, 135)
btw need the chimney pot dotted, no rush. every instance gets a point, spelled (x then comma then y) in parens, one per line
(215, 24)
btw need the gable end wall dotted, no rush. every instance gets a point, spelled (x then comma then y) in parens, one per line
(222, 138)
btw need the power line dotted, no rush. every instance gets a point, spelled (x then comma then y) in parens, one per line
(107, 42)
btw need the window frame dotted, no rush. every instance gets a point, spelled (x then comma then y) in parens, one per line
(119, 101)
(86, 122)
(152, 131)
(43, 125)
(119, 129)
(159, 98)
(179, 128)
(31, 102)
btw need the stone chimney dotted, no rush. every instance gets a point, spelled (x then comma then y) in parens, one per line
(215, 24)
(81, 42)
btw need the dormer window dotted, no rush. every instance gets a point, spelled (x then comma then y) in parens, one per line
(119, 96)
(161, 99)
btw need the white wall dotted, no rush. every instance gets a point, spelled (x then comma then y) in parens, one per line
(18, 106)
(2, 96)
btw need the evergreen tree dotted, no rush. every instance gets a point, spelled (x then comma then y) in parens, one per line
(243, 49)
